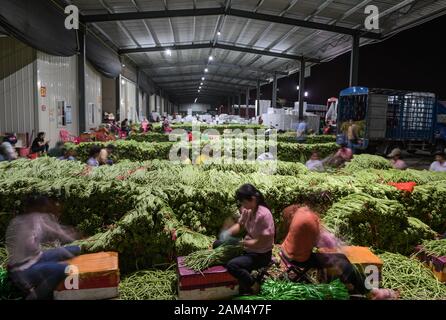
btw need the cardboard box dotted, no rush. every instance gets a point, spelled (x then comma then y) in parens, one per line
(211, 284)
(98, 278)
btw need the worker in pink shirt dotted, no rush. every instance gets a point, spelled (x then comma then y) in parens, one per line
(395, 160)
(256, 219)
(343, 155)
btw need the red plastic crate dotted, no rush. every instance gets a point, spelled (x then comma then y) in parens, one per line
(211, 277)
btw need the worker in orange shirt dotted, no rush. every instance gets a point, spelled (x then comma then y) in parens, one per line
(305, 232)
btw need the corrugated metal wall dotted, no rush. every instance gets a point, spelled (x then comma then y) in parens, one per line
(17, 86)
(128, 100)
(93, 97)
(59, 76)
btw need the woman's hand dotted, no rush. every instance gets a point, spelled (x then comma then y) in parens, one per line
(245, 211)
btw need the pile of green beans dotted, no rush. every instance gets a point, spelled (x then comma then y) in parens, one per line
(435, 247)
(149, 285)
(286, 290)
(3, 256)
(411, 278)
(203, 259)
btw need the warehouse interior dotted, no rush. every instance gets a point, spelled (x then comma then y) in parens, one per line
(148, 152)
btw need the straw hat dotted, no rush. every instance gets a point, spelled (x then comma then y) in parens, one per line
(395, 152)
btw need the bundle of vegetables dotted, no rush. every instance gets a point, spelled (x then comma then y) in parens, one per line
(149, 285)
(149, 137)
(203, 127)
(296, 152)
(411, 278)
(188, 241)
(434, 247)
(3, 256)
(427, 204)
(363, 220)
(201, 260)
(286, 290)
(7, 290)
(129, 150)
(366, 161)
(310, 139)
(142, 151)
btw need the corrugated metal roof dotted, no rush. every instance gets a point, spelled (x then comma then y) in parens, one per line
(232, 67)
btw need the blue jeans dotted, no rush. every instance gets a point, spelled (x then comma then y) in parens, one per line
(40, 280)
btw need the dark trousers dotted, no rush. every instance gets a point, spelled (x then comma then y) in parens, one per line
(348, 273)
(43, 148)
(242, 266)
(39, 281)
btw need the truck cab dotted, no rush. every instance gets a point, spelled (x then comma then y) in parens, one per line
(386, 119)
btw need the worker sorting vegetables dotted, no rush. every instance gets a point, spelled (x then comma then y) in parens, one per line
(256, 219)
(305, 232)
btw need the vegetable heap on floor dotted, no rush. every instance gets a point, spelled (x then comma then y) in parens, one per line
(286, 290)
(411, 278)
(152, 211)
(149, 285)
(434, 247)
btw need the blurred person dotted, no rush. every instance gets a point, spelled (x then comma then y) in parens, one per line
(301, 132)
(315, 164)
(68, 154)
(256, 219)
(343, 155)
(125, 126)
(35, 272)
(105, 154)
(439, 164)
(58, 150)
(93, 156)
(395, 160)
(40, 145)
(352, 133)
(304, 233)
(7, 151)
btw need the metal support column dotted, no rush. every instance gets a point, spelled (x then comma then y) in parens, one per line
(258, 98)
(81, 64)
(274, 95)
(247, 104)
(239, 102)
(229, 105)
(354, 61)
(301, 89)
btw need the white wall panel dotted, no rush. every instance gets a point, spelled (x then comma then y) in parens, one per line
(128, 100)
(93, 97)
(59, 76)
(17, 86)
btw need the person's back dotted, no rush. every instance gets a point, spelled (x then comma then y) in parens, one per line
(438, 166)
(315, 165)
(27, 232)
(302, 236)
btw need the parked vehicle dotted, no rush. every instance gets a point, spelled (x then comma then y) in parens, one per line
(386, 119)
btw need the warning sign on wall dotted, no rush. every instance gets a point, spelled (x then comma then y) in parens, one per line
(43, 107)
(43, 91)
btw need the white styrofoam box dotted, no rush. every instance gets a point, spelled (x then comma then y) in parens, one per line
(213, 293)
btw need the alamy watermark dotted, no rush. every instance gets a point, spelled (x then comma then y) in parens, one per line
(72, 20)
(372, 20)
(72, 279)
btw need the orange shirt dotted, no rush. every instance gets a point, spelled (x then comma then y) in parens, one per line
(302, 236)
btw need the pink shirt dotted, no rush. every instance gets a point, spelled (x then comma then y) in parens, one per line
(398, 164)
(259, 224)
(345, 153)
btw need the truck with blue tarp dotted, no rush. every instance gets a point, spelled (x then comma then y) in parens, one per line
(385, 119)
